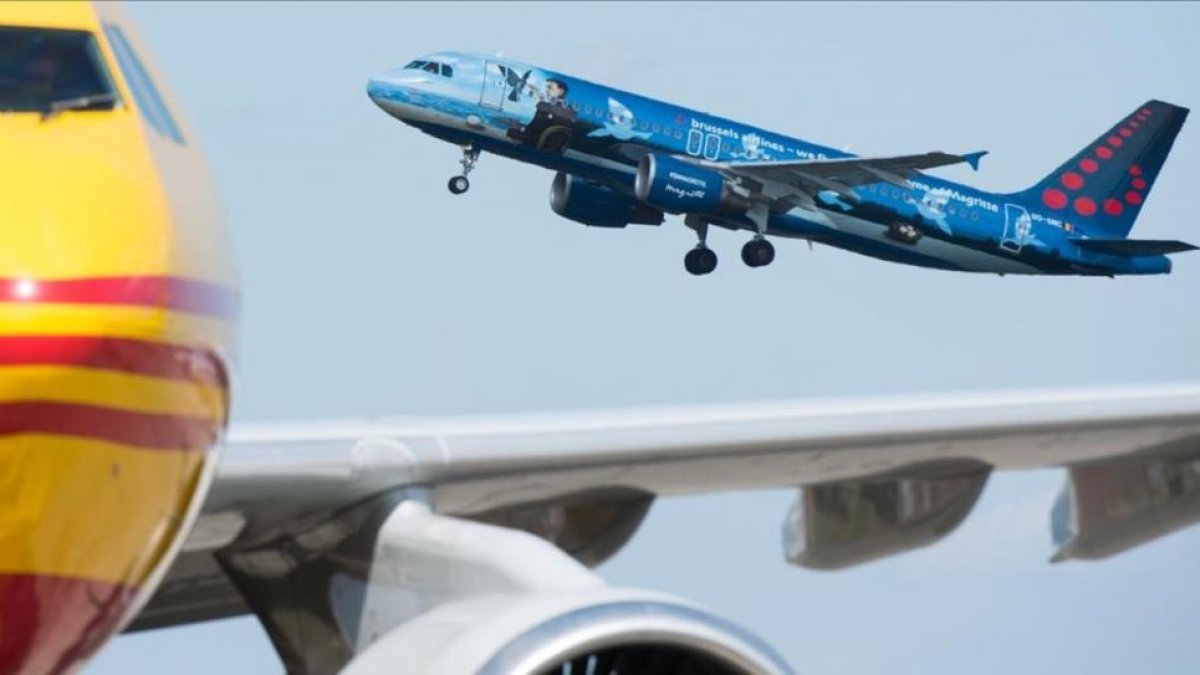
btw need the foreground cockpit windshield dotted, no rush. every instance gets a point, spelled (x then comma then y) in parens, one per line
(43, 70)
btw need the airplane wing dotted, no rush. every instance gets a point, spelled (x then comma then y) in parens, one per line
(445, 506)
(811, 176)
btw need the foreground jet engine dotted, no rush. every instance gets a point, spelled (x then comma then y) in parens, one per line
(389, 586)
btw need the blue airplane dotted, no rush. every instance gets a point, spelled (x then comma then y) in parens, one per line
(622, 158)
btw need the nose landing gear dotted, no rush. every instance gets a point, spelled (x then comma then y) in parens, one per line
(459, 184)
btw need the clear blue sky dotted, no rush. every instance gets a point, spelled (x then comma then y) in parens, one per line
(369, 289)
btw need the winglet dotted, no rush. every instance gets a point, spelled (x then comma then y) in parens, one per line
(973, 158)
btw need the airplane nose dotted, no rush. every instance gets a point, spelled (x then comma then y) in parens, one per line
(396, 92)
(375, 89)
(112, 385)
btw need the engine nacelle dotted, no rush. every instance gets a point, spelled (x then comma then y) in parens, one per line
(597, 205)
(673, 185)
(598, 630)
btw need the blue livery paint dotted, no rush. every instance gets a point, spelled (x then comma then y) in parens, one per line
(599, 136)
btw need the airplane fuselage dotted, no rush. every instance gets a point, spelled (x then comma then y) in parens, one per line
(489, 103)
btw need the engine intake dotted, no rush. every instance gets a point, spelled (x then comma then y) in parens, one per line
(597, 205)
(602, 630)
(673, 185)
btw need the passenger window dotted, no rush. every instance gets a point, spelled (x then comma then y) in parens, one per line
(144, 92)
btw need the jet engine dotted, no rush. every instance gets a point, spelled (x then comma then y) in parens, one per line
(596, 630)
(597, 205)
(677, 186)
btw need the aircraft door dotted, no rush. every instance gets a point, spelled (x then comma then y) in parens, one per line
(1017, 228)
(495, 85)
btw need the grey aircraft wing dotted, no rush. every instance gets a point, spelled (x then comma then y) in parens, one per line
(308, 503)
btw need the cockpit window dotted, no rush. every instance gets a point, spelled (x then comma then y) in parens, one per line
(434, 67)
(47, 70)
(148, 98)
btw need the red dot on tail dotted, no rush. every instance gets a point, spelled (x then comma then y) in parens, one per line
(1133, 198)
(1114, 141)
(1125, 132)
(1054, 198)
(1135, 170)
(1084, 206)
(1134, 123)
(1072, 180)
(1113, 207)
(1103, 153)
(1145, 111)
(1139, 184)
(1089, 165)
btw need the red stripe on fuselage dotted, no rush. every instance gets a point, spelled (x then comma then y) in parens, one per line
(152, 431)
(138, 357)
(50, 623)
(173, 293)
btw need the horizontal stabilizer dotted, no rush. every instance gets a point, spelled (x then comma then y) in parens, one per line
(1136, 246)
(973, 158)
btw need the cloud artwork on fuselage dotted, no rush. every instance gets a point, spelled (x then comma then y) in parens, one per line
(619, 123)
(752, 149)
(932, 207)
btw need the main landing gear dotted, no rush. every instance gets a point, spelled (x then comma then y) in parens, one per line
(460, 184)
(758, 252)
(700, 260)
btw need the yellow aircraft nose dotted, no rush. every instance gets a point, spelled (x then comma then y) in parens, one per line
(117, 309)
(112, 397)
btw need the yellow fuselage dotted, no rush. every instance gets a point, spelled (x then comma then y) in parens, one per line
(117, 315)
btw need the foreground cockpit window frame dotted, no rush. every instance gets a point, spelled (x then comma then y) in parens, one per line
(148, 98)
(101, 96)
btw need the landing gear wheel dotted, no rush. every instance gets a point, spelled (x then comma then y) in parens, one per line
(459, 185)
(758, 253)
(700, 260)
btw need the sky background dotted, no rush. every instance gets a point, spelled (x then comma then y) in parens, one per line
(369, 289)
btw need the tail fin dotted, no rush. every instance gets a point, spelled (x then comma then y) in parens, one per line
(1102, 188)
